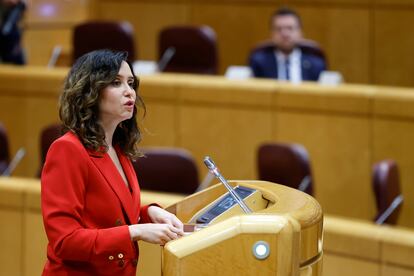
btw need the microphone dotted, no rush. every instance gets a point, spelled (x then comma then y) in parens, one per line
(206, 181)
(15, 161)
(388, 212)
(13, 18)
(166, 58)
(57, 50)
(214, 170)
(305, 183)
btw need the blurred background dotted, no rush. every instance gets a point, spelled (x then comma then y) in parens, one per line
(352, 137)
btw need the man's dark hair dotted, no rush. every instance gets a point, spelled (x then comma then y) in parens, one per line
(286, 11)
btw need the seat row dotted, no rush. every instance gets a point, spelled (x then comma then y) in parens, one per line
(174, 170)
(185, 49)
(182, 49)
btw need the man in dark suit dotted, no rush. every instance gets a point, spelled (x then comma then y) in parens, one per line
(10, 34)
(284, 58)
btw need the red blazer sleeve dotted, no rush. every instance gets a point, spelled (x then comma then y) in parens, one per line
(64, 184)
(144, 217)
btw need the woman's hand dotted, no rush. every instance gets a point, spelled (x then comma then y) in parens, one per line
(159, 215)
(154, 232)
(165, 227)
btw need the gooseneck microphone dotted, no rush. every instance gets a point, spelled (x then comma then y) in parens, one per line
(214, 170)
(15, 161)
(166, 58)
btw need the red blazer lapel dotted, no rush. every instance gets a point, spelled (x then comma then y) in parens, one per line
(109, 171)
(133, 183)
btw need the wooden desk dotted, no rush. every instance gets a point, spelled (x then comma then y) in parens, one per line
(361, 248)
(23, 240)
(350, 247)
(345, 129)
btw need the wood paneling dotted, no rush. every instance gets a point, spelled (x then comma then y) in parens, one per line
(331, 2)
(39, 43)
(160, 122)
(395, 271)
(149, 263)
(27, 105)
(395, 2)
(394, 102)
(394, 42)
(393, 124)
(345, 266)
(148, 19)
(345, 129)
(48, 23)
(368, 41)
(159, 125)
(57, 11)
(339, 149)
(23, 241)
(349, 99)
(354, 247)
(238, 27)
(344, 34)
(229, 136)
(13, 117)
(351, 247)
(396, 143)
(34, 244)
(46, 113)
(10, 232)
(398, 249)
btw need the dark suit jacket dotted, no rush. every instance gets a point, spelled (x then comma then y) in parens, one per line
(264, 64)
(86, 209)
(10, 48)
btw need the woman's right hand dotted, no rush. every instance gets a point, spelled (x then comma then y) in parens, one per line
(154, 232)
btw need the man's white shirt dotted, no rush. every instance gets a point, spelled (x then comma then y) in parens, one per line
(295, 68)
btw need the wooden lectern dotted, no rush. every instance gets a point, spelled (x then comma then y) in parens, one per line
(282, 236)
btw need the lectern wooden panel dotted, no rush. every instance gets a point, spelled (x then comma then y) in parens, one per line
(282, 235)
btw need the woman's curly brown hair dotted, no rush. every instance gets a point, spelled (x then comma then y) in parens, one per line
(79, 102)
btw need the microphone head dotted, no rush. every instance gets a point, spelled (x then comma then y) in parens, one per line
(166, 58)
(171, 50)
(209, 163)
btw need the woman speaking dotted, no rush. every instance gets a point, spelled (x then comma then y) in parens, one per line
(90, 194)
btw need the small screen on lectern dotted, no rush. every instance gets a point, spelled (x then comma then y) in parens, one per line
(225, 203)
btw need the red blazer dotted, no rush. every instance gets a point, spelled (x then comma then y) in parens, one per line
(86, 209)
